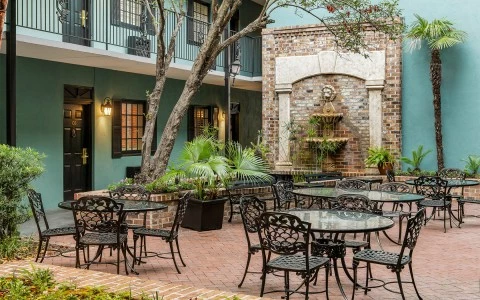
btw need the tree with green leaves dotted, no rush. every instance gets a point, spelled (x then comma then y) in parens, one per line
(346, 20)
(439, 34)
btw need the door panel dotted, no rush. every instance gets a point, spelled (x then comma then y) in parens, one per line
(75, 167)
(76, 29)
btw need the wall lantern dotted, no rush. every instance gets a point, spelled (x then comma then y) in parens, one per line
(107, 106)
(235, 69)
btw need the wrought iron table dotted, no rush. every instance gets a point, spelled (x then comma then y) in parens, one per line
(338, 222)
(452, 183)
(378, 196)
(129, 206)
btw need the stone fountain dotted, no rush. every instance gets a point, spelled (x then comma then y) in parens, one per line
(327, 121)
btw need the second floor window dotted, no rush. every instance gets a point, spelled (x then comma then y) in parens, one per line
(200, 117)
(197, 24)
(131, 14)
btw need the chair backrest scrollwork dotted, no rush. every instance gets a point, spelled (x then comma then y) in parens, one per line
(38, 211)
(130, 192)
(432, 187)
(394, 187)
(353, 202)
(282, 191)
(351, 184)
(97, 214)
(412, 232)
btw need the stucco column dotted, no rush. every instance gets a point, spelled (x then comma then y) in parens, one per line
(283, 162)
(375, 88)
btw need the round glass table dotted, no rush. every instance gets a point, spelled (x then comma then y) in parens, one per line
(337, 221)
(129, 206)
(378, 196)
(452, 183)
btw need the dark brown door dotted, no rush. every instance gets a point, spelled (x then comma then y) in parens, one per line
(76, 28)
(76, 153)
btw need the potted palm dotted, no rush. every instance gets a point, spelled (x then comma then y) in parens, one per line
(380, 157)
(209, 167)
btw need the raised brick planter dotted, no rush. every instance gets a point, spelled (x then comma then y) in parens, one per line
(120, 283)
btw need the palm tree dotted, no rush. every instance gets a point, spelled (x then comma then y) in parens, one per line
(439, 34)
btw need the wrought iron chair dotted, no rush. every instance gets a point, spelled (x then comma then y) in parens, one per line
(133, 192)
(44, 230)
(451, 173)
(393, 261)
(282, 190)
(359, 203)
(169, 236)
(250, 209)
(390, 175)
(352, 184)
(435, 190)
(99, 221)
(395, 212)
(288, 237)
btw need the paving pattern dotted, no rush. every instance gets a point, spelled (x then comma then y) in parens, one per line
(446, 265)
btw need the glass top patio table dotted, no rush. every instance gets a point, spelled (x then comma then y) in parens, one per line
(336, 221)
(128, 205)
(379, 196)
(452, 183)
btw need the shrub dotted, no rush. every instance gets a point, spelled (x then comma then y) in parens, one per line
(18, 167)
(416, 160)
(472, 164)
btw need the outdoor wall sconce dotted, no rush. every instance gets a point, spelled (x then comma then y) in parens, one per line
(107, 106)
(235, 69)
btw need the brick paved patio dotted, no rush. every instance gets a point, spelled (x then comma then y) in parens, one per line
(446, 265)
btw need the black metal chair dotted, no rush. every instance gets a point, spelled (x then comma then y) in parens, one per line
(352, 184)
(288, 237)
(282, 190)
(435, 190)
(168, 236)
(133, 192)
(250, 209)
(359, 203)
(452, 173)
(393, 261)
(395, 212)
(390, 175)
(99, 221)
(44, 230)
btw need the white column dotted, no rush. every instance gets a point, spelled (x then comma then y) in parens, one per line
(375, 88)
(283, 162)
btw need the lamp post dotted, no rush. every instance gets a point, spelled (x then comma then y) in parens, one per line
(232, 69)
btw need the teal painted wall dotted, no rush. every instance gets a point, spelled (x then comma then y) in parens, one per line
(461, 65)
(40, 116)
(3, 96)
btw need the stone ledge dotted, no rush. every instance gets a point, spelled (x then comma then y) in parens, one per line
(120, 283)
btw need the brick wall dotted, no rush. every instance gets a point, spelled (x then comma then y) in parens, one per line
(352, 96)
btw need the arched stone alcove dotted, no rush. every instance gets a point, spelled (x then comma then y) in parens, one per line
(292, 69)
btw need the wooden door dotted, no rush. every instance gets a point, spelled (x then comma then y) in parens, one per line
(76, 153)
(76, 29)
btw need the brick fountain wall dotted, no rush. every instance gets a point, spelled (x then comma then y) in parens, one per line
(352, 99)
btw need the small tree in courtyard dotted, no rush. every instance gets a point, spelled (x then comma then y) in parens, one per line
(439, 34)
(346, 20)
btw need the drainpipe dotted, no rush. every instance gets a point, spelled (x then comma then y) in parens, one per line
(11, 76)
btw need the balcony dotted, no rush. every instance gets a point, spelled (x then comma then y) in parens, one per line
(102, 34)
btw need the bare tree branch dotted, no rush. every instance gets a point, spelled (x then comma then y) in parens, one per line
(3, 14)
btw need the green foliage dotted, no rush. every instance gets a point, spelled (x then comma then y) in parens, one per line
(438, 33)
(202, 162)
(39, 283)
(378, 156)
(298, 178)
(123, 182)
(14, 247)
(328, 147)
(18, 167)
(472, 164)
(261, 148)
(292, 128)
(416, 160)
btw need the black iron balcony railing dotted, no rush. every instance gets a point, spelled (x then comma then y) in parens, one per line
(125, 27)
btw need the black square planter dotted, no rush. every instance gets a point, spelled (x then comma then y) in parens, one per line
(203, 215)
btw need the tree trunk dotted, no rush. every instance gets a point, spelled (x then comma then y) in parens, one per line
(436, 78)
(3, 15)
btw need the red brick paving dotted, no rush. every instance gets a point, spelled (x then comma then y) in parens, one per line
(446, 265)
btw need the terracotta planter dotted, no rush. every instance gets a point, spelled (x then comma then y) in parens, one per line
(384, 167)
(203, 215)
